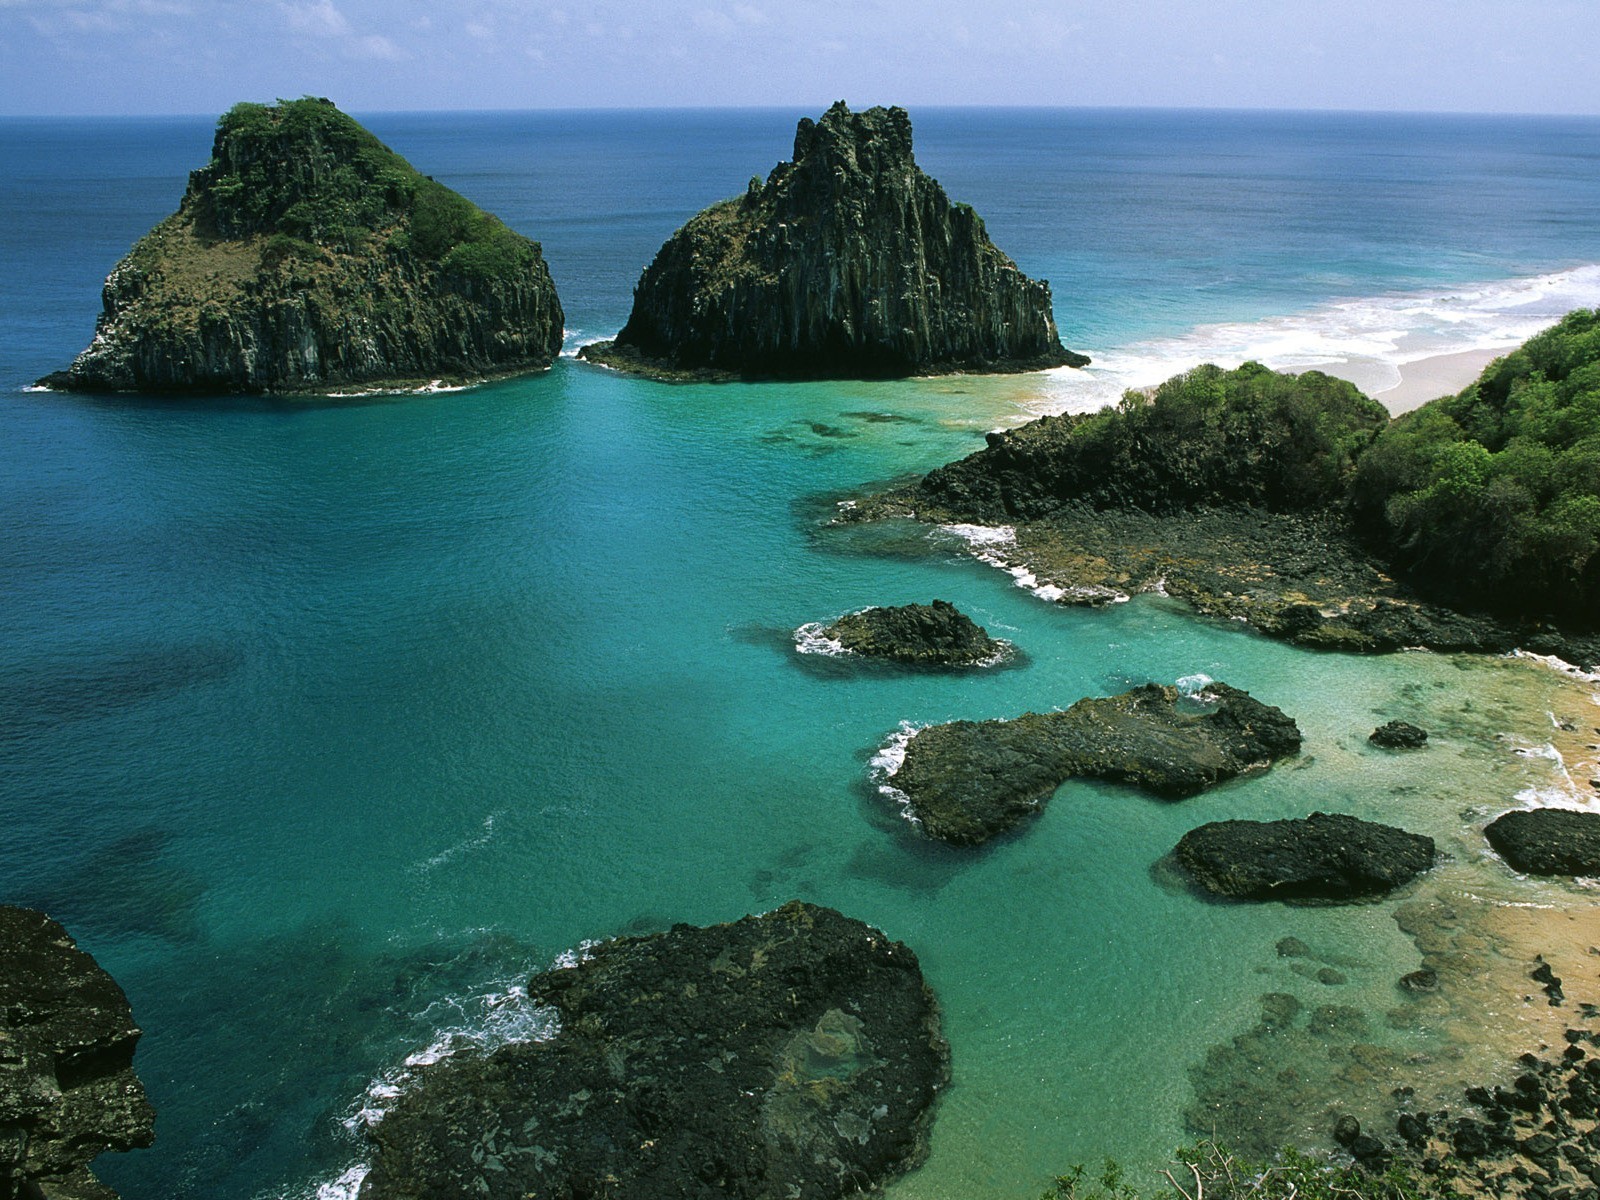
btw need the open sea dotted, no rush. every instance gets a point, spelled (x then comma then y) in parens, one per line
(325, 723)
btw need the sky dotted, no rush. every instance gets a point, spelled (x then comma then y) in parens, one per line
(201, 56)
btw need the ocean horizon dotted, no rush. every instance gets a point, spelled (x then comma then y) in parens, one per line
(326, 723)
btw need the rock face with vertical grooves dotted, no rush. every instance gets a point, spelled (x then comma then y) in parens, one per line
(308, 257)
(848, 262)
(67, 1087)
(790, 1056)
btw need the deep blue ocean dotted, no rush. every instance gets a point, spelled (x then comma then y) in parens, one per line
(324, 723)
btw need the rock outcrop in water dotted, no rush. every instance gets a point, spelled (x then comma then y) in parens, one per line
(307, 256)
(921, 635)
(67, 1088)
(790, 1056)
(1326, 856)
(849, 262)
(1548, 841)
(1399, 735)
(966, 781)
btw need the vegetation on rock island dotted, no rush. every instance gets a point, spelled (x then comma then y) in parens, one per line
(1494, 494)
(307, 255)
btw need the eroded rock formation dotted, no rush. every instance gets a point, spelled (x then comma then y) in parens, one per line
(848, 262)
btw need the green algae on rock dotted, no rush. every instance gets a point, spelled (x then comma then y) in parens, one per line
(307, 257)
(67, 1087)
(966, 781)
(791, 1056)
(848, 262)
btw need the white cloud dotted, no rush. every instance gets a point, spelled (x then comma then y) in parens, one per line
(319, 19)
(375, 45)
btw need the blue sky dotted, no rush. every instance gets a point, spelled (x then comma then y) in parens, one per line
(200, 56)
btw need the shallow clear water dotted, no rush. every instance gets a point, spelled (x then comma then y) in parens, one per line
(321, 722)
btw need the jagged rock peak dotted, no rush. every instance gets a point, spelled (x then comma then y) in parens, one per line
(847, 262)
(307, 256)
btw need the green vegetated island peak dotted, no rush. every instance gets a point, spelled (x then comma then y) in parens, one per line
(307, 256)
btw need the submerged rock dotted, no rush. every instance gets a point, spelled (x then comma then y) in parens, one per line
(787, 1056)
(67, 1088)
(848, 262)
(969, 780)
(1326, 856)
(937, 634)
(1548, 841)
(1398, 735)
(308, 256)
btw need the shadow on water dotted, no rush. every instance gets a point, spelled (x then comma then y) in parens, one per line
(121, 889)
(268, 1111)
(75, 688)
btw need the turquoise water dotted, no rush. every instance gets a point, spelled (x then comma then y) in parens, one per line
(321, 724)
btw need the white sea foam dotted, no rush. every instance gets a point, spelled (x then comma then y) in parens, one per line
(810, 639)
(886, 764)
(346, 1187)
(1557, 664)
(496, 1017)
(466, 846)
(1379, 333)
(1193, 687)
(567, 959)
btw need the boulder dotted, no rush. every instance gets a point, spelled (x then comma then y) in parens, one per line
(931, 635)
(67, 1088)
(306, 256)
(969, 780)
(787, 1056)
(1325, 856)
(1548, 841)
(848, 262)
(1398, 735)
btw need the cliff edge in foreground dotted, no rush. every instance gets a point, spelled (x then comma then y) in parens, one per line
(308, 256)
(67, 1087)
(849, 262)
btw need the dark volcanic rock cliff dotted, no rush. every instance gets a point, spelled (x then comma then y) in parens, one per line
(791, 1056)
(307, 256)
(67, 1087)
(848, 262)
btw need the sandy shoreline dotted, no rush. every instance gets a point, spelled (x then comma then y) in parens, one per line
(1420, 381)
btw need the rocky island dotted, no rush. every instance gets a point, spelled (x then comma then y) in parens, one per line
(791, 1056)
(966, 781)
(1326, 856)
(848, 262)
(917, 635)
(306, 257)
(67, 1088)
